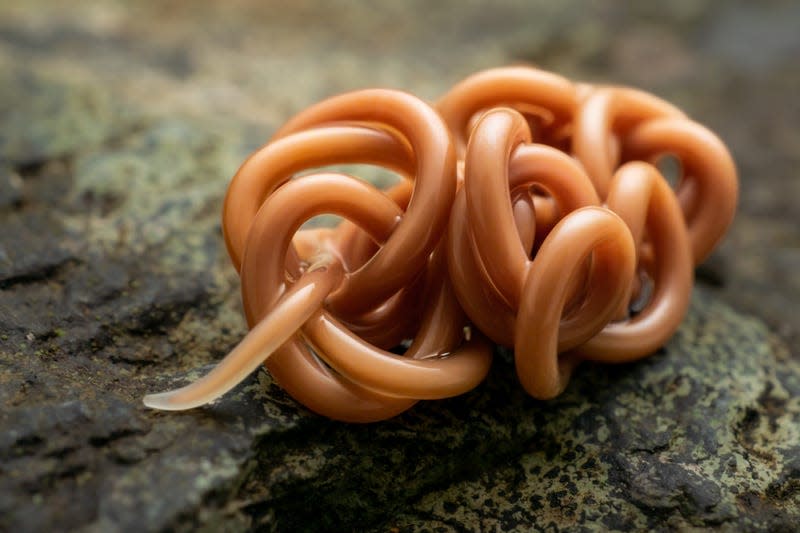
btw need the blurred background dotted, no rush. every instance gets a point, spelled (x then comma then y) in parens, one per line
(734, 66)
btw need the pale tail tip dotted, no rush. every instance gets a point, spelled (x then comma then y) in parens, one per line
(164, 401)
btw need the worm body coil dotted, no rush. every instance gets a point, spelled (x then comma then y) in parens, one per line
(530, 214)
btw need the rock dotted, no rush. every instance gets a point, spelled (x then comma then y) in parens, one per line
(67, 121)
(703, 434)
(114, 282)
(706, 434)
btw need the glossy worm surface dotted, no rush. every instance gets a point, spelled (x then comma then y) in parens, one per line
(530, 214)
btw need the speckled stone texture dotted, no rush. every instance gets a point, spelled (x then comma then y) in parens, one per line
(120, 126)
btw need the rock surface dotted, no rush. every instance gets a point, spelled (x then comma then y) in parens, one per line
(704, 435)
(120, 130)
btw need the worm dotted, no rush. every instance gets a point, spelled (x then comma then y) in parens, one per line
(530, 214)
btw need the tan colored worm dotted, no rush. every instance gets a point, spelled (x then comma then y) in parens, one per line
(322, 363)
(611, 125)
(543, 95)
(541, 237)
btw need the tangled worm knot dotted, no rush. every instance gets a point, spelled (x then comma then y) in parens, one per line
(560, 244)
(531, 211)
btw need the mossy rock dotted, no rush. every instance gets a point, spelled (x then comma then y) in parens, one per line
(114, 283)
